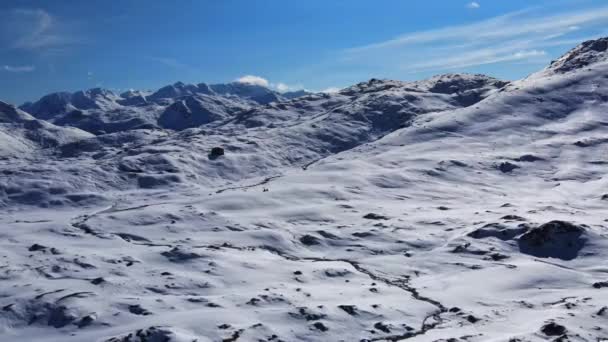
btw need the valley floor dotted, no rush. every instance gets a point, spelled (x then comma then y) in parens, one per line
(322, 254)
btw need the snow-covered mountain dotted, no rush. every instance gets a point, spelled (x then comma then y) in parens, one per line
(458, 208)
(101, 111)
(21, 134)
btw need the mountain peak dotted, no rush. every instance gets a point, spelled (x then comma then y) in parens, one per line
(587, 53)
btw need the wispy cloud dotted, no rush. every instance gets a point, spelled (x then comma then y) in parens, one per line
(17, 69)
(473, 5)
(482, 57)
(33, 29)
(522, 36)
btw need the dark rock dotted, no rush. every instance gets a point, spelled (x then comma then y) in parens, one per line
(253, 301)
(529, 158)
(553, 329)
(178, 255)
(98, 281)
(382, 327)
(600, 284)
(305, 313)
(372, 216)
(138, 310)
(320, 326)
(216, 152)
(512, 218)
(498, 257)
(36, 247)
(332, 273)
(151, 334)
(555, 239)
(310, 240)
(86, 321)
(349, 309)
(472, 319)
(506, 167)
(362, 234)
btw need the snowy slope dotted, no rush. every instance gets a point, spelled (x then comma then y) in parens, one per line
(459, 208)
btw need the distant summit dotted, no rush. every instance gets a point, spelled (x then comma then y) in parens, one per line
(587, 53)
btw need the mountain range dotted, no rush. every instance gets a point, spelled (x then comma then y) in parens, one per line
(457, 208)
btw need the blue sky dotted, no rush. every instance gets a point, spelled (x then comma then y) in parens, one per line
(48, 46)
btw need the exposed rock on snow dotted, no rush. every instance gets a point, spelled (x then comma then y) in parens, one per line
(555, 239)
(589, 52)
(216, 152)
(553, 329)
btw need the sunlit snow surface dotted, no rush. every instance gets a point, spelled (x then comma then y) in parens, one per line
(454, 220)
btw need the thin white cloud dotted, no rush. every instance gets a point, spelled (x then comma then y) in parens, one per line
(521, 36)
(255, 80)
(473, 5)
(18, 69)
(33, 29)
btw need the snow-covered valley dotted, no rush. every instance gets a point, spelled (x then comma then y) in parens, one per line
(459, 208)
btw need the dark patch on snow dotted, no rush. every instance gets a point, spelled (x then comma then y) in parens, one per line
(138, 310)
(507, 167)
(528, 158)
(216, 152)
(349, 309)
(512, 218)
(177, 254)
(553, 329)
(320, 326)
(555, 239)
(373, 216)
(310, 240)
